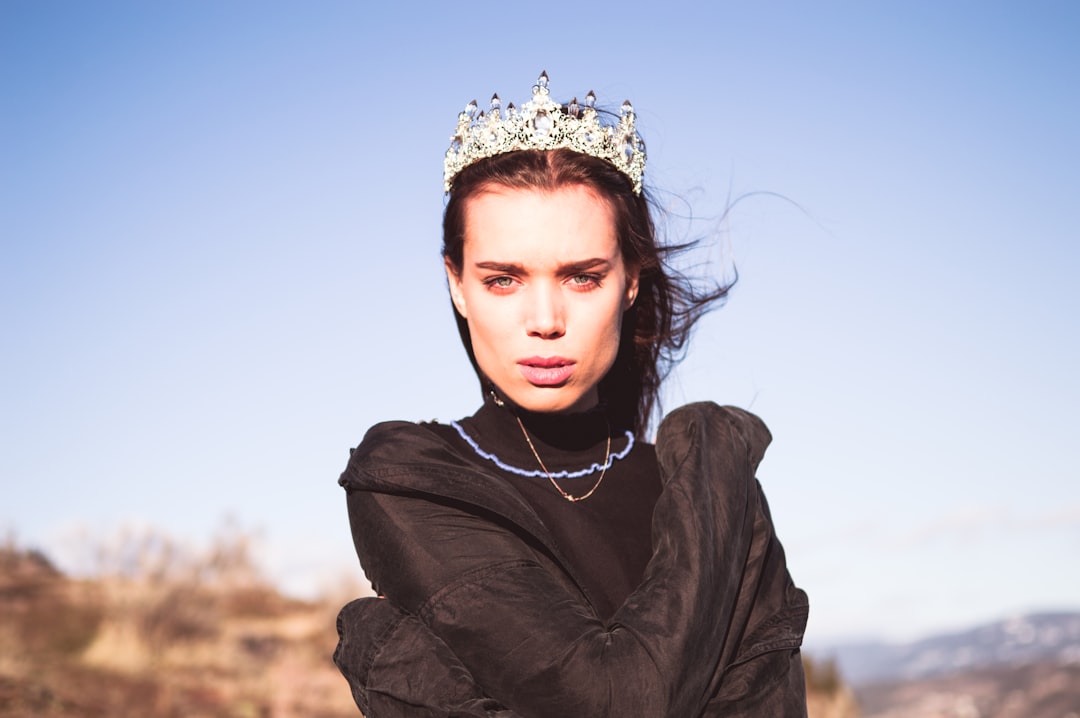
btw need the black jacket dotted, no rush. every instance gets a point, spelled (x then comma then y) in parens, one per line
(483, 616)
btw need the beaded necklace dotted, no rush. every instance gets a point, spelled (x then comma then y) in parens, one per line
(539, 473)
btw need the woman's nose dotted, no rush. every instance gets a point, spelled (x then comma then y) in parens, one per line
(546, 316)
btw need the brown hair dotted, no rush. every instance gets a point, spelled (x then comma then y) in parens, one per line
(656, 328)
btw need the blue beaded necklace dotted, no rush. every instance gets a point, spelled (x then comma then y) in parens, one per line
(538, 473)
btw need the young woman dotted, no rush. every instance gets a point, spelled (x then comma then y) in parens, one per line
(539, 558)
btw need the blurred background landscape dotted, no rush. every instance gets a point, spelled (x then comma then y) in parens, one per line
(162, 631)
(219, 231)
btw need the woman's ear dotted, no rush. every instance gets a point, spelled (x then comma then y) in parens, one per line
(631, 287)
(457, 296)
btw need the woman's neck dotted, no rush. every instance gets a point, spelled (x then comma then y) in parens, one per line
(568, 431)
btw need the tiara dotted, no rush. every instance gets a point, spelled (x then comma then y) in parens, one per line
(542, 124)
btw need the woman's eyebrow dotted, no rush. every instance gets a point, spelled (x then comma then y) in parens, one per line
(585, 265)
(507, 267)
(581, 265)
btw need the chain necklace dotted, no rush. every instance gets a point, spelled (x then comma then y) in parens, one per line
(568, 497)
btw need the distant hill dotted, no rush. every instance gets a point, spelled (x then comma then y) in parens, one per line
(1044, 638)
(1045, 689)
(173, 638)
(212, 643)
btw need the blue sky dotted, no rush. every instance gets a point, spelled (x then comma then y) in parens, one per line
(220, 228)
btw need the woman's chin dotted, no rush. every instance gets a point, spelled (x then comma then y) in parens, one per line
(554, 400)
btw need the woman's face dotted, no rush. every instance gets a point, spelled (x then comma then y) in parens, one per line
(543, 288)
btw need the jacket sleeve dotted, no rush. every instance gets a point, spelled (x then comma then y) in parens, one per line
(397, 668)
(538, 648)
(773, 685)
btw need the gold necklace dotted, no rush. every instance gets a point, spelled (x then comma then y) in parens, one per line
(568, 497)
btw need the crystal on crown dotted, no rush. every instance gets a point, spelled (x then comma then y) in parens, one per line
(542, 124)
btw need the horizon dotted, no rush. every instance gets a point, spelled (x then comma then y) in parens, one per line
(153, 557)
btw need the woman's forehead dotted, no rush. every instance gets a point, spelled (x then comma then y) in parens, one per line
(568, 224)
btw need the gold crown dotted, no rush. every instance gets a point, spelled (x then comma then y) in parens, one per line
(543, 124)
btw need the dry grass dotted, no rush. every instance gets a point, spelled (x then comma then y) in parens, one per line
(168, 632)
(827, 695)
(163, 632)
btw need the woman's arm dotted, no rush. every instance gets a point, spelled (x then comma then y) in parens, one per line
(537, 647)
(397, 668)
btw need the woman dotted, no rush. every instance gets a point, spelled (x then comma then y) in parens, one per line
(539, 558)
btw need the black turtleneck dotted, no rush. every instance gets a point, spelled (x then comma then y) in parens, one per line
(606, 537)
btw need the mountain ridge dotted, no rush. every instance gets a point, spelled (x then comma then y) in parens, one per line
(1050, 636)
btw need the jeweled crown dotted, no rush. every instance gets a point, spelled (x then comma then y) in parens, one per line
(543, 124)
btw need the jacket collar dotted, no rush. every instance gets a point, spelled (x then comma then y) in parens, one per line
(399, 457)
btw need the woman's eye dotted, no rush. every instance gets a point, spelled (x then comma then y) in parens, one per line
(500, 282)
(585, 280)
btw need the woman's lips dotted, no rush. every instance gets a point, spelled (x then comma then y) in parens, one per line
(546, 371)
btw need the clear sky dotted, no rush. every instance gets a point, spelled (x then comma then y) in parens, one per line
(220, 226)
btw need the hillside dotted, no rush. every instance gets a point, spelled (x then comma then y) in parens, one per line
(1045, 689)
(208, 644)
(1022, 667)
(1017, 641)
(172, 636)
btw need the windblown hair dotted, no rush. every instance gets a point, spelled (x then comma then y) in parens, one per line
(656, 329)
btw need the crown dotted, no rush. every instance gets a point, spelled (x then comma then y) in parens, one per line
(542, 124)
